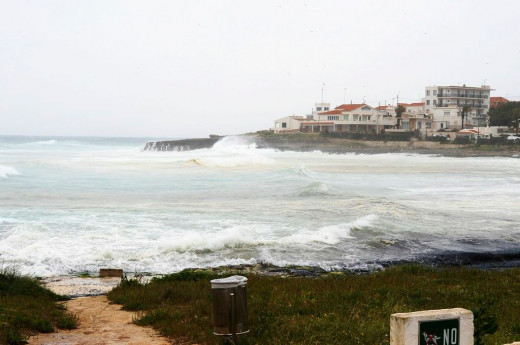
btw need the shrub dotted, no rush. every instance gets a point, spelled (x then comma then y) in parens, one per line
(26, 308)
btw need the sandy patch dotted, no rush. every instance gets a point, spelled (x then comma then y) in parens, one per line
(101, 323)
(80, 286)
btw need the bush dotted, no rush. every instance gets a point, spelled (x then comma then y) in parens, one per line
(26, 308)
(462, 140)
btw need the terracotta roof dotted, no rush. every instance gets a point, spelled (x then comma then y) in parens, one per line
(383, 107)
(418, 104)
(330, 112)
(318, 123)
(493, 100)
(467, 131)
(349, 107)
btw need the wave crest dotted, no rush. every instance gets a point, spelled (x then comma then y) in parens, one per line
(6, 171)
(332, 234)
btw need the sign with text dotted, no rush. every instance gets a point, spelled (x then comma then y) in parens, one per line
(439, 332)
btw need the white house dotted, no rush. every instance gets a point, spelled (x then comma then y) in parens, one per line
(348, 118)
(441, 101)
(288, 124)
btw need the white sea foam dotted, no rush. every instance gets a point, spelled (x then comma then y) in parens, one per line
(85, 205)
(6, 171)
(46, 142)
(231, 152)
(331, 234)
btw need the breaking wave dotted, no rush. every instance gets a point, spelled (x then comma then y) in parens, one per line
(6, 171)
(332, 234)
(45, 142)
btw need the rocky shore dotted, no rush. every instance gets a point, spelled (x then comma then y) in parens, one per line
(312, 142)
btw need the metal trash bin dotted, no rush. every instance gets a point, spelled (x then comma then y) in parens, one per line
(230, 306)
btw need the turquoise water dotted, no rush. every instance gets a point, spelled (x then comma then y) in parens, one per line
(77, 204)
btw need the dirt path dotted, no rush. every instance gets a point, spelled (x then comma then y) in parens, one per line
(101, 323)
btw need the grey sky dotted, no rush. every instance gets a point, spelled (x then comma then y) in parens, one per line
(191, 68)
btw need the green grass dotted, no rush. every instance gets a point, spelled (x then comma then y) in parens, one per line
(27, 308)
(332, 309)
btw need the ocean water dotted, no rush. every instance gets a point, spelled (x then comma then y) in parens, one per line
(71, 205)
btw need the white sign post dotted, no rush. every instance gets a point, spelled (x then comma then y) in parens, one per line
(432, 327)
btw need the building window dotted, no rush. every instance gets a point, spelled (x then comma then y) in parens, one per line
(284, 124)
(345, 117)
(318, 108)
(333, 117)
(355, 118)
(434, 102)
(406, 125)
(434, 92)
(326, 108)
(446, 114)
(427, 102)
(427, 92)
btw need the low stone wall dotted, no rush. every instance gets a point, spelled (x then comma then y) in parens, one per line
(432, 145)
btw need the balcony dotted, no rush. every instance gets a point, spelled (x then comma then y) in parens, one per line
(458, 95)
(474, 106)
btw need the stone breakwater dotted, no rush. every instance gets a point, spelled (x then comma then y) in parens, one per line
(180, 145)
(311, 142)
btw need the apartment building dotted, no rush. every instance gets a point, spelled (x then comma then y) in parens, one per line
(445, 103)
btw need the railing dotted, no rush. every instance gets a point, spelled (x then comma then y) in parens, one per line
(474, 106)
(458, 95)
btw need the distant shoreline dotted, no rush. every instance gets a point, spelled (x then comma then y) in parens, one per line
(305, 142)
(311, 142)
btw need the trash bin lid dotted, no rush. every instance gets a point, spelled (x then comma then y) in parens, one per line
(229, 282)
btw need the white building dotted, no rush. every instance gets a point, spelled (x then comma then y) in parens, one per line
(288, 124)
(320, 107)
(446, 102)
(349, 118)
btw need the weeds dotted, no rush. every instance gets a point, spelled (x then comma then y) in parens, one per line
(26, 308)
(332, 309)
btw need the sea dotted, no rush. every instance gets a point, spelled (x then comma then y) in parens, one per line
(70, 205)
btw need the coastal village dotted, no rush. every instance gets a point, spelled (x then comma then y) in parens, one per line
(447, 112)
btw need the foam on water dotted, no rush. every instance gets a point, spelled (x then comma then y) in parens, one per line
(6, 171)
(45, 142)
(84, 204)
(230, 152)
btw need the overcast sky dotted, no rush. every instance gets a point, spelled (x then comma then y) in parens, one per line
(191, 68)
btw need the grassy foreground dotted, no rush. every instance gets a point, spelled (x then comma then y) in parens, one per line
(27, 308)
(332, 309)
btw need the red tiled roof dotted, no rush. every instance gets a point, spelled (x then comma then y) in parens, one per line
(349, 107)
(494, 100)
(467, 131)
(417, 104)
(383, 107)
(330, 112)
